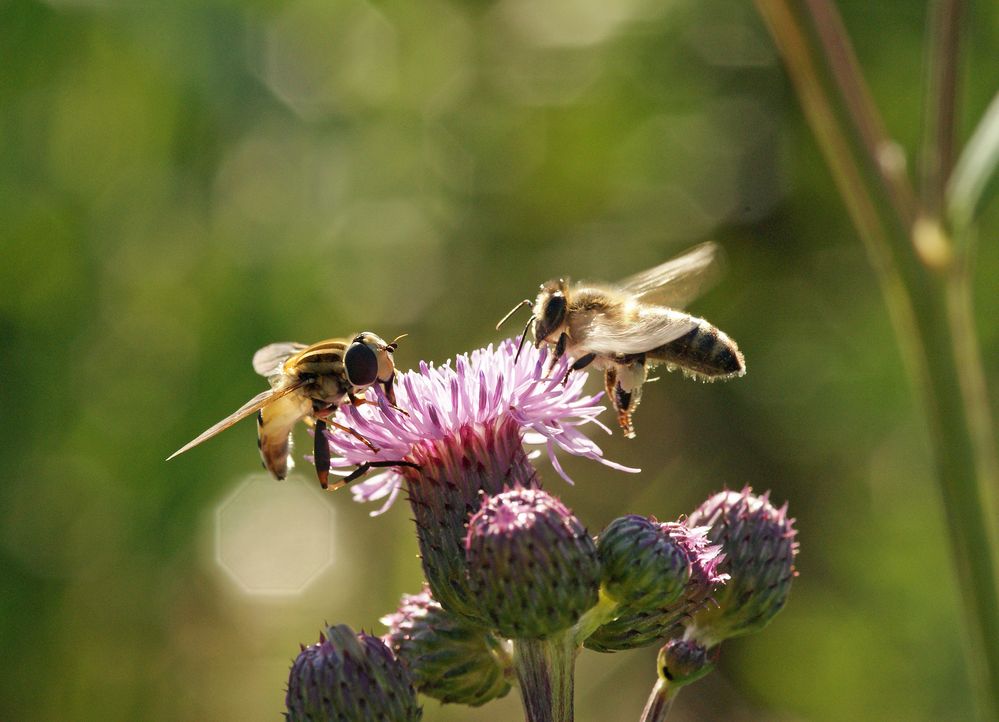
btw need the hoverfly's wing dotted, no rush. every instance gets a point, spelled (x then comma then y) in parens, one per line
(646, 328)
(269, 360)
(248, 409)
(679, 280)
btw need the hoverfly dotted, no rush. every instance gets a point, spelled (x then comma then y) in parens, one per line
(310, 382)
(629, 327)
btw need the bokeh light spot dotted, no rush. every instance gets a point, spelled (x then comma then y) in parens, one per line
(274, 538)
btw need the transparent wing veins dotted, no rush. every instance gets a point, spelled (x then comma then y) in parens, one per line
(651, 327)
(679, 280)
(249, 408)
(268, 361)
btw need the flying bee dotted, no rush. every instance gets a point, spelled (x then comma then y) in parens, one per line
(310, 383)
(624, 329)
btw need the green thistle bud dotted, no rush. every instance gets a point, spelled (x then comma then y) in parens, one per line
(349, 676)
(450, 659)
(759, 546)
(684, 661)
(531, 565)
(643, 567)
(635, 627)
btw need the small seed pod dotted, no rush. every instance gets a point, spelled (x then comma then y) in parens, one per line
(347, 676)
(684, 661)
(759, 546)
(642, 566)
(531, 565)
(450, 659)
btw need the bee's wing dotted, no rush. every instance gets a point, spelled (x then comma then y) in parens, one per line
(646, 328)
(268, 361)
(679, 280)
(248, 409)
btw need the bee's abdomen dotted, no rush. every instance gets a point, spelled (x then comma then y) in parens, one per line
(705, 353)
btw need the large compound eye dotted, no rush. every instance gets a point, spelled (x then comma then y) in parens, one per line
(554, 312)
(361, 364)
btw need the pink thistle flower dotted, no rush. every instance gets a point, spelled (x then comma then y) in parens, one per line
(485, 389)
(463, 429)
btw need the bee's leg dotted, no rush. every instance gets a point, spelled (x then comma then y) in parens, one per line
(624, 388)
(353, 433)
(321, 452)
(367, 466)
(581, 363)
(558, 353)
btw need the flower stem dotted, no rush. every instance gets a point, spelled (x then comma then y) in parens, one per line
(601, 613)
(660, 702)
(545, 673)
(943, 38)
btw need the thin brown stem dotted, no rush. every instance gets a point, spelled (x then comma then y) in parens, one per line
(943, 35)
(888, 159)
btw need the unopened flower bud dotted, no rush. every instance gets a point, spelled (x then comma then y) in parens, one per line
(347, 676)
(759, 546)
(635, 627)
(450, 659)
(532, 567)
(642, 566)
(684, 661)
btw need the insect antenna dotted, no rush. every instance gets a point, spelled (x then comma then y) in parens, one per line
(395, 342)
(523, 337)
(525, 302)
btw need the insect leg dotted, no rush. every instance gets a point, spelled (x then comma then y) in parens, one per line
(390, 395)
(622, 401)
(358, 400)
(559, 351)
(353, 433)
(581, 363)
(321, 452)
(367, 466)
(388, 386)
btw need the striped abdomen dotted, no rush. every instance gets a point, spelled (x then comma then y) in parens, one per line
(705, 353)
(274, 424)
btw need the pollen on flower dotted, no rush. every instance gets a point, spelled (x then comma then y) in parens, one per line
(468, 401)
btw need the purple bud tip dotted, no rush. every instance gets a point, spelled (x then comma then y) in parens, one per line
(758, 540)
(532, 567)
(450, 659)
(350, 676)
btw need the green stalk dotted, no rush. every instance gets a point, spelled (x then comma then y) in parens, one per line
(660, 702)
(926, 292)
(545, 673)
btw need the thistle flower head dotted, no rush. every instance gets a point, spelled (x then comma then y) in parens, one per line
(759, 545)
(350, 676)
(465, 426)
(640, 626)
(479, 391)
(532, 567)
(450, 659)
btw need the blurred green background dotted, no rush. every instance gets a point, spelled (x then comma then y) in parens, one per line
(181, 183)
